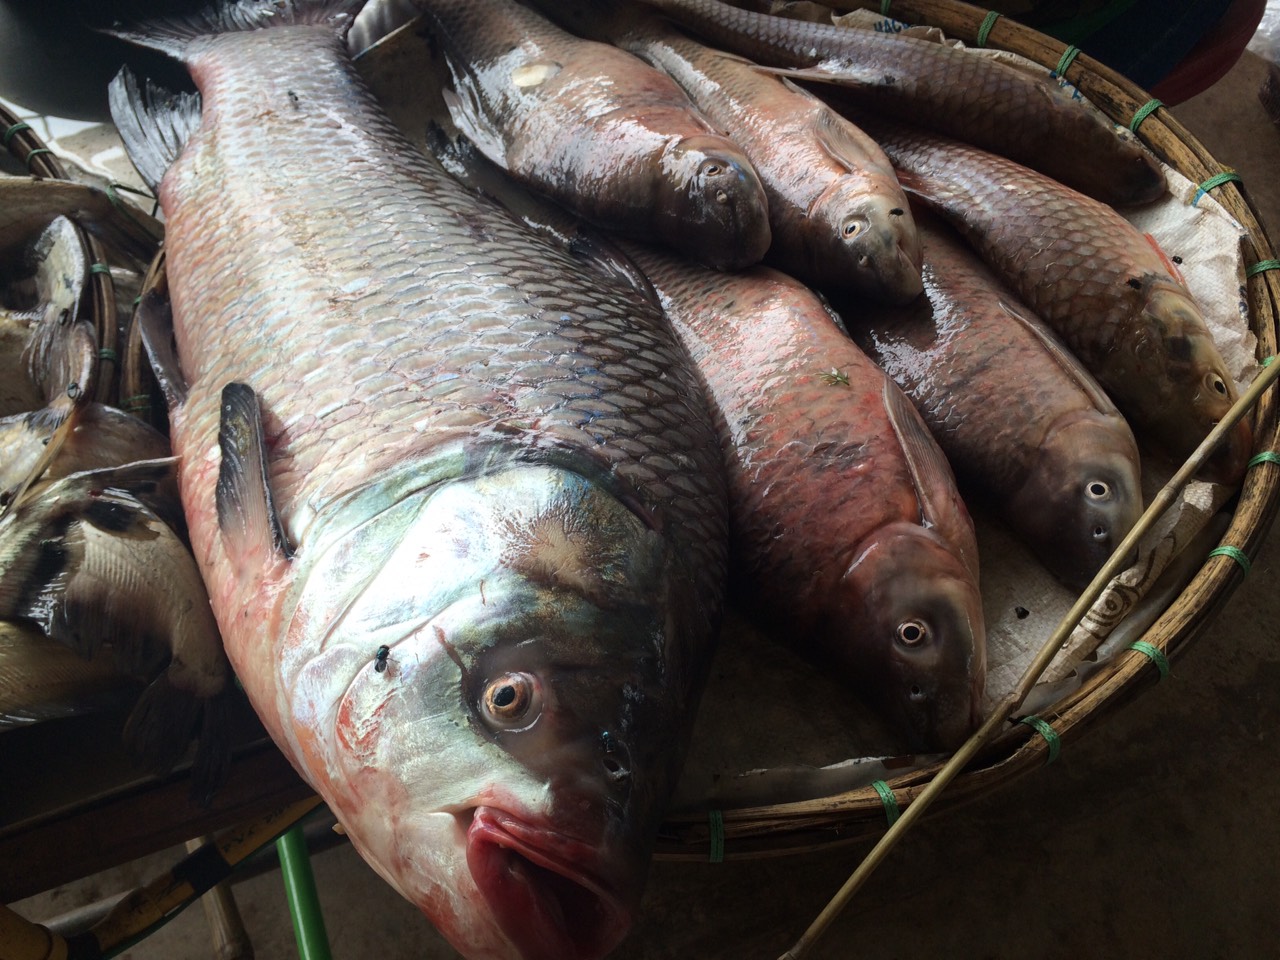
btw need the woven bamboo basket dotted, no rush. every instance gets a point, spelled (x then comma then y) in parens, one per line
(855, 815)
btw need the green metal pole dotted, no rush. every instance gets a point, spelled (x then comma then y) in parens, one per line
(300, 888)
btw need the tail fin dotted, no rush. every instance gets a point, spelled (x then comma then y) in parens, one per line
(172, 35)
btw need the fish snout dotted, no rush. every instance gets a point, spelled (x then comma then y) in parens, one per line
(716, 210)
(872, 246)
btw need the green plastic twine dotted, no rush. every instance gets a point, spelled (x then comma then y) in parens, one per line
(1268, 361)
(1236, 554)
(106, 353)
(1068, 57)
(884, 7)
(35, 153)
(99, 268)
(1217, 180)
(988, 22)
(1266, 456)
(1261, 266)
(716, 819)
(141, 401)
(1154, 654)
(1050, 736)
(1144, 111)
(891, 811)
(13, 131)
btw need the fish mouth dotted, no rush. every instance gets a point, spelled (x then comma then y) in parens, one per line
(542, 890)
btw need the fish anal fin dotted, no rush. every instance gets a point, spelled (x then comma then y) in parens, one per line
(246, 514)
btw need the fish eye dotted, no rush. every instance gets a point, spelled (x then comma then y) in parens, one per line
(851, 229)
(1097, 490)
(710, 168)
(912, 633)
(1216, 383)
(509, 700)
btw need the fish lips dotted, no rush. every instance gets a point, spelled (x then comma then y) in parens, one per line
(547, 890)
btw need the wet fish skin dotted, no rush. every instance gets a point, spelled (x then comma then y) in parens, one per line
(836, 211)
(1099, 283)
(848, 535)
(955, 92)
(1017, 416)
(87, 558)
(600, 131)
(532, 458)
(41, 679)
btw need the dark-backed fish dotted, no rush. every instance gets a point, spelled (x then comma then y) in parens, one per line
(953, 91)
(1023, 424)
(599, 131)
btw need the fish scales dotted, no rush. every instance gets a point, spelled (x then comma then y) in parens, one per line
(837, 538)
(1105, 288)
(951, 90)
(476, 463)
(1019, 419)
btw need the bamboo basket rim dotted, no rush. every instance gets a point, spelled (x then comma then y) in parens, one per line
(860, 814)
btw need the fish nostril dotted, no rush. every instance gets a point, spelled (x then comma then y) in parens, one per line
(616, 769)
(917, 694)
(1099, 533)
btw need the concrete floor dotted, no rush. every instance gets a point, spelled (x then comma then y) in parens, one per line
(1153, 836)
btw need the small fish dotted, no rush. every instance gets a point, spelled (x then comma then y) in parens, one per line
(1019, 419)
(41, 679)
(510, 480)
(848, 535)
(89, 561)
(836, 211)
(28, 205)
(1104, 288)
(49, 351)
(600, 131)
(952, 91)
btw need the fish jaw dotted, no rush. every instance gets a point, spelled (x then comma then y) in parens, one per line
(544, 888)
(865, 241)
(1082, 495)
(530, 578)
(1193, 390)
(711, 204)
(914, 616)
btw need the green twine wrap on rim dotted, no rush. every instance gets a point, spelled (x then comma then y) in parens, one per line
(106, 353)
(1262, 266)
(1236, 554)
(988, 22)
(890, 802)
(13, 131)
(884, 7)
(1217, 180)
(1068, 57)
(140, 401)
(1268, 361)
(1050, 736)
(99, 268)
(1266, 456)
(35, 153)
(1144, 111)
(1154, 654)
(716, 819)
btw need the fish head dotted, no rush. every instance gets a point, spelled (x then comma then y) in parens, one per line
(711, 203)
(507, 766)
(864, 240)
(1187, 388)
(1082, 495)
(917, 638)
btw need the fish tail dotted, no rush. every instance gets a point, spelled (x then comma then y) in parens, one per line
(175, 34)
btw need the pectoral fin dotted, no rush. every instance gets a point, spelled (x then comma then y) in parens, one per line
(246, 515)
(1064, 358)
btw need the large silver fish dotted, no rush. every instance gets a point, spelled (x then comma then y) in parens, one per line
(458, 502)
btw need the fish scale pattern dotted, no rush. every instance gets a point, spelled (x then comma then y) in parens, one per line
(815, 467)
(947, 89)
(381, 312)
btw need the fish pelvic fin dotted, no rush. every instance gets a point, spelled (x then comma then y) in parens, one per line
(155, 323)
(153, 122)
(246, 514)
(138, 23)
